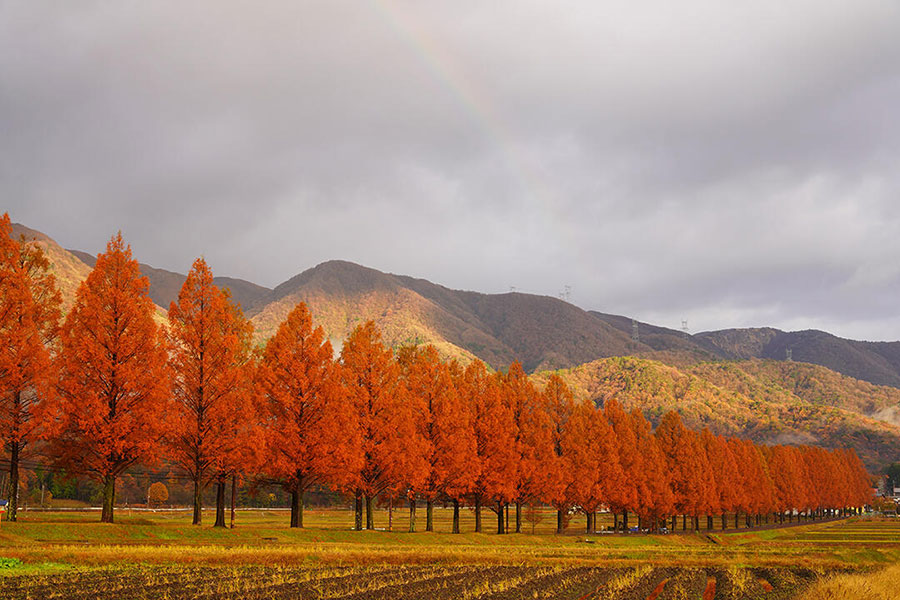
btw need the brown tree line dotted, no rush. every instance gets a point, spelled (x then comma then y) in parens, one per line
(112, 385)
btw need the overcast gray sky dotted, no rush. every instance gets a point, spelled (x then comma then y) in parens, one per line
(730, 163)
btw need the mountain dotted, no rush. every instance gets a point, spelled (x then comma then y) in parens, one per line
(68, 269)
(767, 401)
(876, 362)
(539, 331)
(165, 285)
(662, 339)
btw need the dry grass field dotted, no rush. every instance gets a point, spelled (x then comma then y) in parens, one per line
(68, 555)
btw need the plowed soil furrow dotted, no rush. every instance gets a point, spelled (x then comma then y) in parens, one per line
(564, 584)
(434, 582)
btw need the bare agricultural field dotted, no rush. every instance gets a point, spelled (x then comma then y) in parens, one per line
(438, 582)
(147, 555)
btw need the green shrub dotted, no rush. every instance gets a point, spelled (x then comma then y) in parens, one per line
(9, 563)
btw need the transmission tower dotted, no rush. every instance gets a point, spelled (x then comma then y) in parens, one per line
(789, 354)
(635, 336)
(684, 329)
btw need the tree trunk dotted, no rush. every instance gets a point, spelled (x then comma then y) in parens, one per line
(735, 519)
(198, 502)
(478, 513)
(109, 498)
(559, 521)
(13, 507)
(696, 523)
(220, 503)
(709, 522)
(500, 517)
(233, 496)
(518, 517)
(506, 528)
(590, 522)
(370, 515)
(357, 506)
(724, 522)
(429, 514)
(296, 508)
(625, 520)
(412, 515)
(455, 515)
(615, 521)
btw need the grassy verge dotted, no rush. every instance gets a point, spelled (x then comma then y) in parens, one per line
(263, 538)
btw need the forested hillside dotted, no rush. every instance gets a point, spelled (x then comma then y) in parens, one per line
(765, 401)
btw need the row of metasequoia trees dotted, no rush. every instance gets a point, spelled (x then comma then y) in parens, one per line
(109, 386)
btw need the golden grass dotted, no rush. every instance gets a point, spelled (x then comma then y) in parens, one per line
(880, 585)
(263, 538)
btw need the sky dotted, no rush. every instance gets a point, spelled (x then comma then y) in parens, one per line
(733, 164)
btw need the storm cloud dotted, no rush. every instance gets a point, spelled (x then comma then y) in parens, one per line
(733, 164)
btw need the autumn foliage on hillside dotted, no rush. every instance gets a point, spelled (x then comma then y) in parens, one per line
(114, 389)
(769, 402)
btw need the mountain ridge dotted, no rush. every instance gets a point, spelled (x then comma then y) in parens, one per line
(540, 331)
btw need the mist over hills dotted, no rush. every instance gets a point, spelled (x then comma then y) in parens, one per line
(833, 392)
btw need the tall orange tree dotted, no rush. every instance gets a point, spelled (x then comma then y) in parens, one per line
(569, 436)
(209, 346)
(312, 433)
(685, 464)
(657, 500)
(785, 473)
(724, 468)
(625, 496)
(444, 422)
(391, 444)
(534, 444)
(113, 379)
(589, 446)
(29, 319)
(494, 427)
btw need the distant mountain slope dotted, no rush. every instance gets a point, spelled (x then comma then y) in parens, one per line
(876, 362)
(661, 339)
(766, 401)
(165, 285)
(540, 332)
(68, 269)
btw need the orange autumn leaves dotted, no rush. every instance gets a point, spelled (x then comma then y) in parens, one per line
(113, 375)
(114, 388)
(29, 315)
